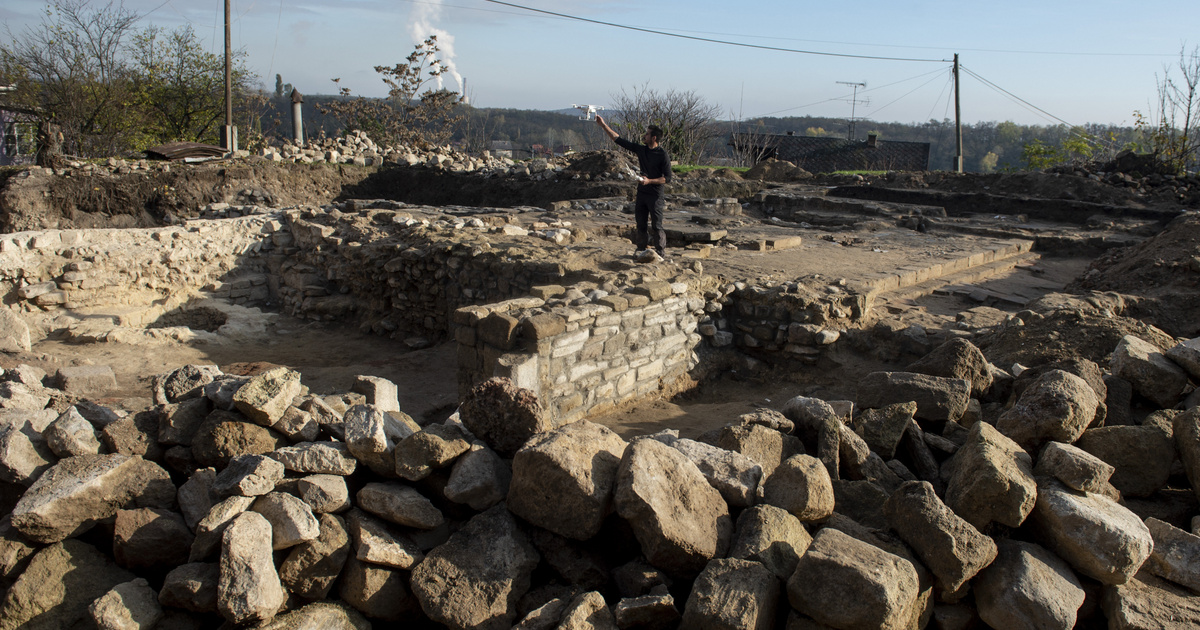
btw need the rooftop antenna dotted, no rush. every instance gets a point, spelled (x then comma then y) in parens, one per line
(854, 102)
(588, 110)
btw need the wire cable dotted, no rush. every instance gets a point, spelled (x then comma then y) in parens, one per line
(949, 82)
(843, 97)
(879, 109)
(275, 47)
(708, 39)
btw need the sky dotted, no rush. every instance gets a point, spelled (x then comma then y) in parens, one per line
(1031, 62)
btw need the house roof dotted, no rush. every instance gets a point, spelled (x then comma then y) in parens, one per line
(826, 155)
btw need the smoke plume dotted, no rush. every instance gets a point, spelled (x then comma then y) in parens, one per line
(423, 19)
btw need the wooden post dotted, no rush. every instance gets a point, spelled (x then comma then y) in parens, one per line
(297, 118)
(958, 153)
(229, 135)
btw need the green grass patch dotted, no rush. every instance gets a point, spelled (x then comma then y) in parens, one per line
(860, 172)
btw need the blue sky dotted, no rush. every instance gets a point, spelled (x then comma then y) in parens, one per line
(1081, 62)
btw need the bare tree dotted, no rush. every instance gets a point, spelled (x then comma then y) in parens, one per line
(413, 112)
(1175, 135)
(69, 71)
(750, 143)
(687, 120)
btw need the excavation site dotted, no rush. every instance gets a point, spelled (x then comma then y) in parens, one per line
(354, 386)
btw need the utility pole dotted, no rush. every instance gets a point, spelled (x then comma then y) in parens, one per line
(854, 103)
(229, 133)
(958, 154)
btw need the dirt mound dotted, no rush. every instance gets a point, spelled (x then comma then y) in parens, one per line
(1165, 269)
(777, 171)
(1064, 335)
(595, 163)
(1041, 185)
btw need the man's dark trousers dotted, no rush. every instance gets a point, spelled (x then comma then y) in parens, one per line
(648, 208)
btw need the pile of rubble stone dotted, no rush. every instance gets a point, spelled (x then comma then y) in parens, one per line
(358, 148)
(251, 501)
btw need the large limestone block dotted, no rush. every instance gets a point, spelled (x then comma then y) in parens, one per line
(191, 586)
(1073, 466)
(86, 380)
(311, 568)
(71, 434)
(475, 578)
(57, 587)
(1141, 456)
(1148, 603)
(224, 435)
(434, 447)
(734, 475)
(845, 583)
(562, 480)
(376, 591)
(1185, 354)
(319, 458)
(937, 398)
(378, 543)
(399, 504)
(767, 447)
(1099, 537)
(24, 453)
(882, 428)
(1176, 554)
(503, 415)
(211, 528)
(1027, 587)
(292, 521)
(366, 431)
(75, 493)
(14, 333)
(180, 421)
(479, 478)
(150, 538)
(587, 611)
(249, 589)
(266, 396)
(990, 479)
(731, 593)
(957, 358)
(248, 476)
(1186, 431)
(324, 493)
(772, 537)
(1058, 406)
(379, 391)
(948, 545)
(186, 382)
(320, 616)
(1151, 373)
(129, 606)
(801, 485)
(680, 520)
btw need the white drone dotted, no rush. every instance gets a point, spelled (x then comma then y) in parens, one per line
(588, 110)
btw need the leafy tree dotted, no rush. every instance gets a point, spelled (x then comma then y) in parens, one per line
(70, 72)
(688, 120)
(413, 112)
(181, 87)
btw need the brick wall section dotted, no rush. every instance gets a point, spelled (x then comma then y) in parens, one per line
(583, 360)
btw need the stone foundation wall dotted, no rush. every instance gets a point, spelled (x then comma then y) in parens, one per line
(44, 271)
(583, 360)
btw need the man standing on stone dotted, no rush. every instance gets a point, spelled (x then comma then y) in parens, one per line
(655, 165)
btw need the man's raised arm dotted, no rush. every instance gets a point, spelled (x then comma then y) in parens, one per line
(607, 130)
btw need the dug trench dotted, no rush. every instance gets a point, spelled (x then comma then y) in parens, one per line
(775, 296)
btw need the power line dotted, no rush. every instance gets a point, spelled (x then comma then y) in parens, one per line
(839, 98)
(879, 109)
(1014, 96)
(710, 40)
